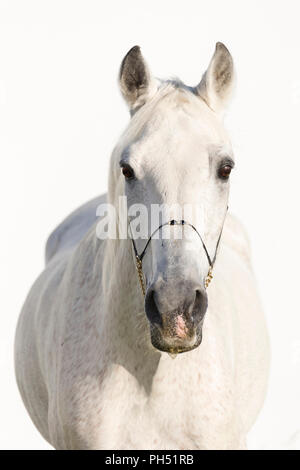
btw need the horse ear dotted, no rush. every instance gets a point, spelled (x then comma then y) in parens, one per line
(217, 82)
(136, 82)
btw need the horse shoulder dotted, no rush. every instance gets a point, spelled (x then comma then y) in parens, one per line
(35, 327)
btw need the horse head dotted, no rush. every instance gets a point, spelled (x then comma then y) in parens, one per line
(174, 155)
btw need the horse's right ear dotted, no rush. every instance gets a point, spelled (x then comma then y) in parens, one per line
(136, 82)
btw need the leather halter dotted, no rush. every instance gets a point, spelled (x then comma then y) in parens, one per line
(139, 257)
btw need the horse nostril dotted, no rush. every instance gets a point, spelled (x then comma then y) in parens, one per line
(191, 303)
(151, 309)
(200, 305)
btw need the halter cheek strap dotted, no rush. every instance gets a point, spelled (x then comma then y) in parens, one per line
(139, 257)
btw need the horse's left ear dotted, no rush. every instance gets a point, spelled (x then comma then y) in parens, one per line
(217, 82)
(136, 82)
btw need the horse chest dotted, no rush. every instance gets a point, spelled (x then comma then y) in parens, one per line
(131, 413)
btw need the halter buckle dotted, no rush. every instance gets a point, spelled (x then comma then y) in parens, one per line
(208, 277)
(139, 268)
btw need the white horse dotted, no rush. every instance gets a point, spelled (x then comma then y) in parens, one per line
(91, 352)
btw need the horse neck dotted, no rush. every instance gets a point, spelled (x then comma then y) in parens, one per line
(125, 319)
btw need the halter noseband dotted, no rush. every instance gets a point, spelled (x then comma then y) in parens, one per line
(139, 257)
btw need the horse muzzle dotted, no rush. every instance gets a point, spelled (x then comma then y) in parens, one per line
(176, 312)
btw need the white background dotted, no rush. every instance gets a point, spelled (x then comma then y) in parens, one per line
(61, 113)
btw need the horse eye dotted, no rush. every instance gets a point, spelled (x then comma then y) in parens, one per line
(224, 172)
(128, 172)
